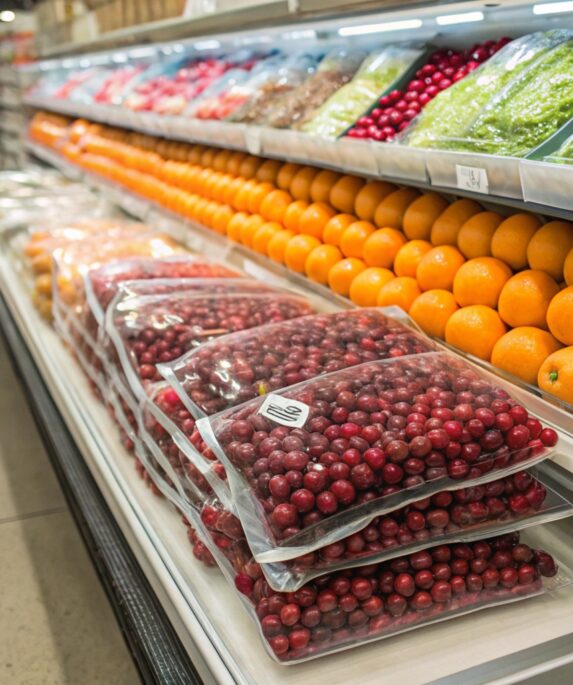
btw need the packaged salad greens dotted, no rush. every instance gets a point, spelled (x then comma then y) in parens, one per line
(376, 74)
(446, 121)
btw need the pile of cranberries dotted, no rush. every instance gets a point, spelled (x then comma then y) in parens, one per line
(379, 599)
(373, 431)
(159, 330)
(394, 112)
(237, 368)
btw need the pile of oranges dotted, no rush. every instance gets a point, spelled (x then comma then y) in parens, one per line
(497, 287)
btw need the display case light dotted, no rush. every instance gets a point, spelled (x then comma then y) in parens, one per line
(462, 18)
(7, 16)
(119, 58)
(207, 45)
(553, 7)
(85, 63)
(148, 51)
(364, 29)
(300, 35)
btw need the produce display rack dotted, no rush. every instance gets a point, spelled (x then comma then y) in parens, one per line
(182, 623)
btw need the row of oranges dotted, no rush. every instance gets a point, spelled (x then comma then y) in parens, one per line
(450, 265)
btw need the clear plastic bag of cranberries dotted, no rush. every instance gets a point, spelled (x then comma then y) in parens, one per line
(153, 329)
(245, 365)
(165, 424)
(311, 465)
(349, 608)
(101, 284)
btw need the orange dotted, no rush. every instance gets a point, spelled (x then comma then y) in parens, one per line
(480, 281)
(257, 195)
(421, 215)
(446, 227)
(235, 226)
(370, 196)
(235, 162)
(367, 284)
(511, 238)
(332, 233)
(409, 256)
(401, 291)
(344, 192)
(438, 268)
(549, 247)
(560, 316)
(522, 350)
(314, 218)
(207, 157)
(475, 330)
(269, 170)
(556, 374)
(250, 226)
(221, 159)
(277, 245)
(241, 199)
(343, 273)
(275, 204)
(322, 185)
(298, 249)
(220, 187)
(320, 261)
(302, 181)
(199, 208)
(354, 237)
(568, 268)
(263, 235)
(525, 298)
(249, 166)
(390, 212)
(474, 238)
(221, 219)
(431, 311)
(232, 190)
(286, 174)
(382, 246)
(293, 213)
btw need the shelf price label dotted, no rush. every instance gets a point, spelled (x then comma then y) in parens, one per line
(472, 178)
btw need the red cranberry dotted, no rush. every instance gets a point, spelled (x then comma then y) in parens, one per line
(421, 601)
(404, 585)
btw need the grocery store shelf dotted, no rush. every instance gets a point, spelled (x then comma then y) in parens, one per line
(508, 178)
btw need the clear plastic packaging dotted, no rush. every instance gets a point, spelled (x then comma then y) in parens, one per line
(296, 107)
(363, 442)
(564, 155)
(245, 365)
(528, 110)
(268, 87)
(101, 284)
(376, 74)
(73, 262)
(446, 121)
(148, 330)
(353, 607)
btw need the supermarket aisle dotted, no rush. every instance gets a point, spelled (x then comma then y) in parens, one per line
(56, 626)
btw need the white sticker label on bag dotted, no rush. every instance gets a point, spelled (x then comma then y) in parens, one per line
(472, 178)
(286, 411)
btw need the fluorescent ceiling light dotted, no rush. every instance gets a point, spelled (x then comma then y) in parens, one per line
(551, 8)
(464, 18)
(305, 33)
(207, 45)
(380, 28)
(7, 16)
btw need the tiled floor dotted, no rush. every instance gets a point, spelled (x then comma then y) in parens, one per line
(56, 625)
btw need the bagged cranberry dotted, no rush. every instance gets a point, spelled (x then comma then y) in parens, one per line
(245, 365)
(164, 420)
(101, 284)
(144, 331)
(353, 607)
(311, 465)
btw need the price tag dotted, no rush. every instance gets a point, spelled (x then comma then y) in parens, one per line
(285, 411)
(253, 139)
(472, 178)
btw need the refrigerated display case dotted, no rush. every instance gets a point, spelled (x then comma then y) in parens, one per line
(183, 620)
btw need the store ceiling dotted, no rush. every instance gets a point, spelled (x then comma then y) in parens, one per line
(18, 4)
